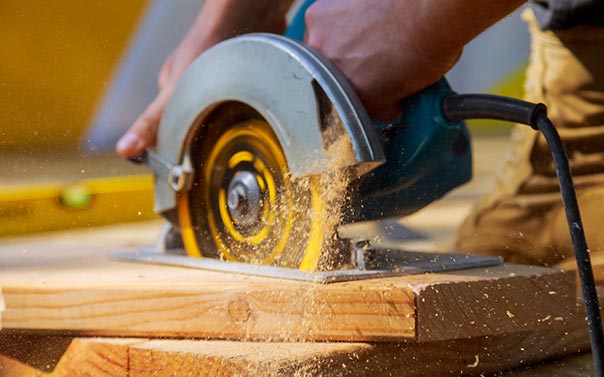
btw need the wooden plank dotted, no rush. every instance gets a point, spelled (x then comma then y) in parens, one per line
(476, 356)
(453, 310)
(40, 352)
(77, 288)
(83, 357)
(94, 358)
(13, 368)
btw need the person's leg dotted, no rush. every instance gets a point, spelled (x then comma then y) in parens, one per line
(523, 219)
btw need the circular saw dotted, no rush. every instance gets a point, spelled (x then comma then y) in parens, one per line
(264, 150)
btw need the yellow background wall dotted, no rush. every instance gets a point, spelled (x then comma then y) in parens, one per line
(56, 57)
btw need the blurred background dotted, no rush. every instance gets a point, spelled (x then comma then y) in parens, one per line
(75, 74)
(56, 61)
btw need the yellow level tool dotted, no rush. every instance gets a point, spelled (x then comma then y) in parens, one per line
(33, 208)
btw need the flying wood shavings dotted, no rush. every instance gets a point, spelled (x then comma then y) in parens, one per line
(509, 314)
(476, 362)
(545, 319)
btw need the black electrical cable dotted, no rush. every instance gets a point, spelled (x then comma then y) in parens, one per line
(575, 226)
(460, 107)
(483, 106)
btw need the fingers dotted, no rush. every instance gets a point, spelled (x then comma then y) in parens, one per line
(141, 134)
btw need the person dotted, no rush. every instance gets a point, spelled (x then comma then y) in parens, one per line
(523, 219)
(393, 48)
(387, 49)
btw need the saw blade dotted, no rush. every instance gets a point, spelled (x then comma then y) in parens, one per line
(245, 207)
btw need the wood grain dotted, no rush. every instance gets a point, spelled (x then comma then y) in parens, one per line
(498, 306)
(40, 352)
(476, 356)
(13, 368)
(78, 289)
(83, 357)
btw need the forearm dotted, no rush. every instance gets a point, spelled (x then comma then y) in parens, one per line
(435, 32)
(218, 20)
(449, 25)
(390, 49)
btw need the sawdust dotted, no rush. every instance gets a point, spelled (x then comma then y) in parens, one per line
(332, 190)
(314, 228)
(313, 207)
(334, 185)
(331, 187)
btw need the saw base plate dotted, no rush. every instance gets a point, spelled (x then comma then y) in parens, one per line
(378, 263)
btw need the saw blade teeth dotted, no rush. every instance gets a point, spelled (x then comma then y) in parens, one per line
(271, 219)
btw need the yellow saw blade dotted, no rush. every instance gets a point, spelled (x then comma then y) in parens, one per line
(245, 207)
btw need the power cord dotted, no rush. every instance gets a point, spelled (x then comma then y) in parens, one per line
(459, 107)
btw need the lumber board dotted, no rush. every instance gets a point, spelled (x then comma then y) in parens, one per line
(39, 352)
(83, 357)
(170, 357)
(74, 287)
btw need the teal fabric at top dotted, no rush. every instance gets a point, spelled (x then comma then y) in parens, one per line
(551, 14)
(297, 26)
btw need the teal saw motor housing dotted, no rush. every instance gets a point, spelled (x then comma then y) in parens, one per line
(426, 155)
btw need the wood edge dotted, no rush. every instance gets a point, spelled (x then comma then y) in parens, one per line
(13, 368)
(96, 357)
(473, 356)
(496, 306)
(242, 314)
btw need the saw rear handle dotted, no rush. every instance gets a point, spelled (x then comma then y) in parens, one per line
(427, 155)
